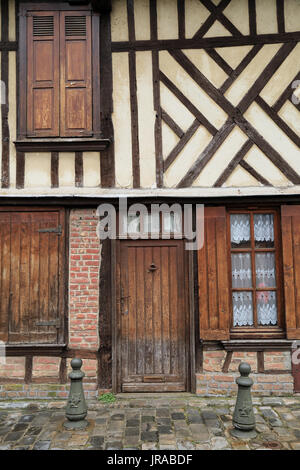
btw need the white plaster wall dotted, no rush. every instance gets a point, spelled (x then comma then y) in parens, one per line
(122, 120)
(146, 119)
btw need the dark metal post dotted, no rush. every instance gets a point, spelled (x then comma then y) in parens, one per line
(76, 409)
(243, 416)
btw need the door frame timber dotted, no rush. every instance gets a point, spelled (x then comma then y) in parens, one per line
(116, 324)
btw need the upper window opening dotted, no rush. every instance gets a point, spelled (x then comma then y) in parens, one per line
(59, 81)
(254, 270)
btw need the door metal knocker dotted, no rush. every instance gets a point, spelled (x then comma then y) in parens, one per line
(152, 268)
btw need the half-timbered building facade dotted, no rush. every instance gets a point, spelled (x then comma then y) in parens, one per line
(187, 102)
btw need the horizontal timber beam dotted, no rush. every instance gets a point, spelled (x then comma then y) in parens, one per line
(8, 45)
(205, 43)
(62, 146)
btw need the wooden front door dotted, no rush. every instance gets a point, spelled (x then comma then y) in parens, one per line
(153, 345)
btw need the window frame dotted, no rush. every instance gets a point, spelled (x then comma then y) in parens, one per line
(24, 8)
(261, 331)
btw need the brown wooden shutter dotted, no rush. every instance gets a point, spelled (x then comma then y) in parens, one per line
(76, 74)
(213, 277)
(290, 220)
(43, 74)
(31, 282)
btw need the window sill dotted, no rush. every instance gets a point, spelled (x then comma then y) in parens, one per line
(37, 349)
(62, 145)
(257, 344)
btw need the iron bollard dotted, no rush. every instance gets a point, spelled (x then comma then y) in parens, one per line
(76, 409)
(243, 416)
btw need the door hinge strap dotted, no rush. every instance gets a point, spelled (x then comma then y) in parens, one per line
(57, 230)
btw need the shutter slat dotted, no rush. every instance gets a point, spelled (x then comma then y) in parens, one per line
(75, 26)
(43, 26)
(214, 310)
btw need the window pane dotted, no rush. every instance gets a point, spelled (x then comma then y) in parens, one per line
(133, 224)
(264, 230)
(242, 309)
(265, 270)
(241, 270)
(266, 308)
(240, 230)
(172, 223)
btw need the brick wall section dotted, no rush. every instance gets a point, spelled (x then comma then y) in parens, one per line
(84, 280)
(45, 366)
(213, 382)
(14, 368)
(277, 360)
(43, 391)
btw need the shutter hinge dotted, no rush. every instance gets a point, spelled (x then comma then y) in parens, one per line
(55, 323)
(57, 230)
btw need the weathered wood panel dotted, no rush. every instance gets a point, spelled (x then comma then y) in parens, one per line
(31, 276)
(153, 315)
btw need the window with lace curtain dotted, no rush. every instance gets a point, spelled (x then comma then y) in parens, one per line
(255, 271)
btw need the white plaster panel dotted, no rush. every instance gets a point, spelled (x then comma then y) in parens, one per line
(187, 157)
(234, 55)
(11, 20)
(66, 169)
(169, 139)
(167, 19)
(142, 19)
(217, 30)
(122, 120)
(195, 15)
(274, 136)
(146, 119)
(256, 158)
(237, 12)
(91, 169)
(239, 178)
(247, 78)
(178, 112)
(282, 77)
(291, 116)
(119, 22)
(266, 17)
(191, 90)
(207, 66)
(292, 15)
(221, 158)
(37, 170)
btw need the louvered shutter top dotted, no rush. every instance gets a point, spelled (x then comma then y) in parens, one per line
(43, 26)
(75, 26)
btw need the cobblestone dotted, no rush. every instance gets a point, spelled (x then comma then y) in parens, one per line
(183, 423)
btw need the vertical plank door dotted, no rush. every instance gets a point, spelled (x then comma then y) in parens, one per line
(31, 280)
(153, 316)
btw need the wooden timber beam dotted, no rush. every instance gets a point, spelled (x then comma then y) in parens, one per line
(101, 6)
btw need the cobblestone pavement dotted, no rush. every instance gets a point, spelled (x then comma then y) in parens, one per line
(150, 423)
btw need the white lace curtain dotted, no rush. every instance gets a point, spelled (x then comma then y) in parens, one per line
(240, 228)
(263, 228)
(242, 308)
(266, 308)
